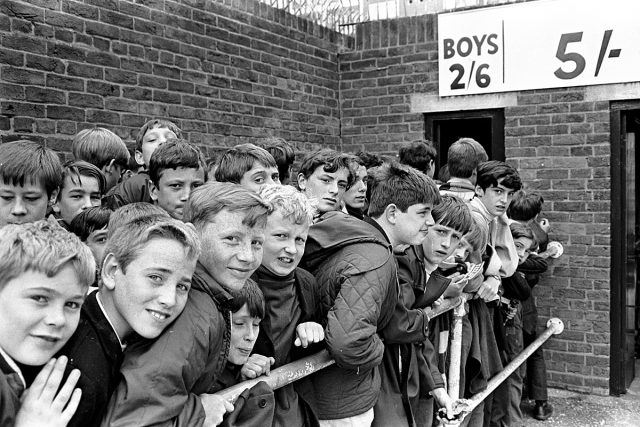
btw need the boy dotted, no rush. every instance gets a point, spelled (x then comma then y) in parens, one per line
(31, 176)
(82, 187)
(175, 170)
(44, 275)
(420, 154)
(146, 277)
(151, 135)
(164, 383)
(355, 197)
(103, 149)
(282, 153)
(463, 159)
(292, 296)
(248, 165)
(324, 176)
(406, 337)
(353, 262)
(91, 227)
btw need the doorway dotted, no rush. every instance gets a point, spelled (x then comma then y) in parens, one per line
(625, 244)
(485, 126)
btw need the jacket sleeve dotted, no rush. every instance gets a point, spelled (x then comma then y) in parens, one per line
(352, 322)
(516, 287)
(534, 265)
(505, 247)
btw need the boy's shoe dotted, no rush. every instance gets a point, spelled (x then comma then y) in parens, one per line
(542, 411)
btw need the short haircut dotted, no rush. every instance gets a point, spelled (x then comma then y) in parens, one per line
(25, 162)
(156, 123)
(208, 200)
(282, 153)
(478, 235)
(126, 242)
(236, 161)
(525, 206)
(44, 247)
(454, 213)
(251, 295)
(292, 204)
(134, 211)
(418, 154)
(519, 230)
(464, 156)
(76, 169)
(443, 174)
(99, 146)
(494, 172)
(90, 220)
(401, 185)
(174, 154)
(331, 161)
(369, 160)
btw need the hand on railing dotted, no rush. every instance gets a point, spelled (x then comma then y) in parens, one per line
(256, 365)
(308, 333)
(215, 407)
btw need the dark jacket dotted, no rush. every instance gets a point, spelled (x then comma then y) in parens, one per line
(94, 349)
(162, 380)
(11, 388)
(532, 268)
(353, 262)
(308, 297)
(135, 189)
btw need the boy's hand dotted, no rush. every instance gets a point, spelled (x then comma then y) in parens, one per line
(443, 400)
(308, 333)
(214, 409)
(458, 282)
(43, 404)
(488, 291)
(256, 366)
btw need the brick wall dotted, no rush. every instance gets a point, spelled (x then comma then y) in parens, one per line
(560, 144)
(226, 72)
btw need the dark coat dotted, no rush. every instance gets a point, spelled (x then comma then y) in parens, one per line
(162, 380)
(135, 189)
(353, 262)
(11, 389)
(532, 268)
(94, 349)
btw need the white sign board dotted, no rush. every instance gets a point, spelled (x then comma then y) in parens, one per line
(539, 44)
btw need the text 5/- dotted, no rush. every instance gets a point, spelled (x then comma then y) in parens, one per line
(578, 60)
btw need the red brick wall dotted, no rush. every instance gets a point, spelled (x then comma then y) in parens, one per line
(226, 72)
(560, 144)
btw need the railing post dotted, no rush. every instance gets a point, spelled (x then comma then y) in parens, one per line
(455, 351)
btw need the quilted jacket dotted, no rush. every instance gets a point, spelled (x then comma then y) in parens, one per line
(355, 268)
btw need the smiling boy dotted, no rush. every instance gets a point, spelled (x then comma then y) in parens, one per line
(30, 178)
(44, 275)
(324, 177)
(82, 188)
(248, 165)
(168, 382)
(175, 170)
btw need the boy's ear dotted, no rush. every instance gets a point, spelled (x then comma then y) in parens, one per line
(110, 266)
(153, 191)
(302, 182)
(390, 214)
(53, 200)
(479, 191)
(138, 157)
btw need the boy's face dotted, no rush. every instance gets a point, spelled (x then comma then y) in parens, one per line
(326, 187)
(259, 176)
(151, 140)
(97, 241)
(244, 332)
(523, 248)
(153, 291)
(356, 196)
(495, 199)
(174, 188)
(77, 194)
(411, 227)
(231, 250)
(440, 243)
(23, 204)
(38, 314)
(462, 251)
(284, 244)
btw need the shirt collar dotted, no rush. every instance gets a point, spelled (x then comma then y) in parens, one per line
(106, 316)
(12, 364)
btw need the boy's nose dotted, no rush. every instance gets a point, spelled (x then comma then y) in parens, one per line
(55, 316)
(429, 220)
(18, 207)
(167, 296)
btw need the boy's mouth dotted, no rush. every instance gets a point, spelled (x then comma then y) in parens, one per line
(285, 260)
(158, 314)
(48, 338)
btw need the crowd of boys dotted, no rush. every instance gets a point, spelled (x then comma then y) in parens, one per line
(134, 286)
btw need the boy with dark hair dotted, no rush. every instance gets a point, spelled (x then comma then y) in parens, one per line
(369, 160)
(247, 165)
(355, 197)
(151, 135)
(31, 176)
(146, 277)
(166, 382)
(175, 170)
(283, 154)
(324, 177)
(353, 262)
(463, 159)
(82, 187)
(103, 149)
(420, 154)
(44, 275)
(91, 227)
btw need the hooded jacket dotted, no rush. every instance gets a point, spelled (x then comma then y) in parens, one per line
(353, 262)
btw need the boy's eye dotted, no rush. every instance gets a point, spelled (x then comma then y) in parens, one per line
(7, 198)
(155, 278)
(342, 186)
(183, 287)
(257, 243)
(175, 186)
(232, 239)
(73, 305)
(33, 198)
(325, 180)
(259, 180)
(300, 240)
(41, 299)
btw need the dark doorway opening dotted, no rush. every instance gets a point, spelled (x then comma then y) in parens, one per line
(485, 126)
(625, 243)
